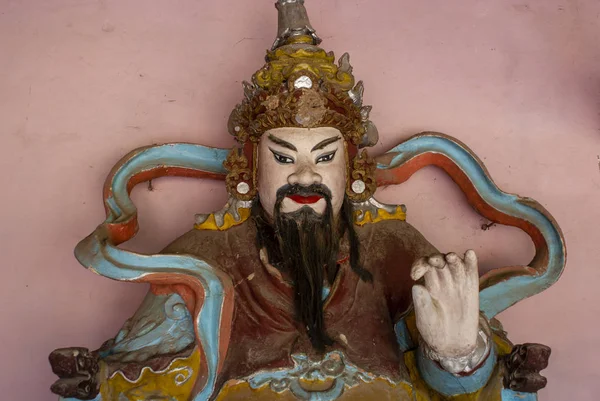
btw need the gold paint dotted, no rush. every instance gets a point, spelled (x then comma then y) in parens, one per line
(272, 101)
(255, 115)
(164, 384)
(255, 166)
(175, 383)
(228, 221)
(316, 384)
(287, 61)
(300, 39)
(363, 168)
(490, 392)
(503, 346)
(378, 390)
(105, 389)
(381, 215)
(236, 164)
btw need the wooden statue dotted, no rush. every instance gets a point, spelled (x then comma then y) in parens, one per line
(304, 286)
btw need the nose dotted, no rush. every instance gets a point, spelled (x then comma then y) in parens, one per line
(304, 176)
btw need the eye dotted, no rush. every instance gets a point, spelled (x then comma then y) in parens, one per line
(327, 157)
(282, 159)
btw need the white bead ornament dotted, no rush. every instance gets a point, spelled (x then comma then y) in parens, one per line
(358, 187)
(303, 82)
(243, 188)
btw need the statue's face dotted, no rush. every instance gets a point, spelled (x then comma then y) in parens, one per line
(301, 156)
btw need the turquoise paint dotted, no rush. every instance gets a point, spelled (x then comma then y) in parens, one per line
(96, 252)
(500, 296)
(102, 257)
(121, 265)
(509, 395)
(98, 398)
(325, 292)
(448, 384)
(284, 379)
(170, 324)
(184, 155)
(403, 336)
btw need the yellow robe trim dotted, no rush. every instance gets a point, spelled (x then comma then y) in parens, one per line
(378, 389)
(381, 215)
(228, 221)
(175, 383)
(492, 391)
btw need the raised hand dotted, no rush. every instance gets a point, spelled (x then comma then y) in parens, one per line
(447, 305)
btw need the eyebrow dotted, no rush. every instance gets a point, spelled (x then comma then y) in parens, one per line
(281, 142)
(325, 142)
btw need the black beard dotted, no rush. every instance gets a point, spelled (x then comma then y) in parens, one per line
(305, 245)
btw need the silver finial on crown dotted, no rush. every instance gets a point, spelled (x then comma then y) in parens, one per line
(293, 21)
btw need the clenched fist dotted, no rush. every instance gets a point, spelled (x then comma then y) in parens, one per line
(447, 305)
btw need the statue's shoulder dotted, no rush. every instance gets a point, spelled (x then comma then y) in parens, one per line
(371, 211)
(234, 213)
(214, 233)
(385, 226)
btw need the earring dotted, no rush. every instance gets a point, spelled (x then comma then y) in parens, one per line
(361, 183)
(239, 180)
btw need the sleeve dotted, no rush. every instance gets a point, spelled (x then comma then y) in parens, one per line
(431, 382)
(162, 324)
(403, 245)
(397, 245)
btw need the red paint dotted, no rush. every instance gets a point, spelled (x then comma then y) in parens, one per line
(539, 263)
(343, 260)
(403, 173)
(305, 200)
(125, 230)
(193, 294)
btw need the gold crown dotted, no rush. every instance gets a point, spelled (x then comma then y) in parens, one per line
(301, 85)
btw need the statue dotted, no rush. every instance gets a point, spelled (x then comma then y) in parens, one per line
(304, 286)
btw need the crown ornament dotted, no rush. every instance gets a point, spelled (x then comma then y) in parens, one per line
(301, 85)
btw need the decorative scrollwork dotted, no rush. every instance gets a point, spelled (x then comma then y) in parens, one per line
(361, 184)
(239, 180)
(77, 369)
(302, 107)
(333, 370)
(523, 367)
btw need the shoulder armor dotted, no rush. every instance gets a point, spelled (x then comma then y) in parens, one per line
(234, 213)
(372, 211)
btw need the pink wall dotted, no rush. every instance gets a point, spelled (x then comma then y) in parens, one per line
(84, 82)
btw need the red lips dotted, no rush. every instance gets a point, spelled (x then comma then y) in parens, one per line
(305, 200)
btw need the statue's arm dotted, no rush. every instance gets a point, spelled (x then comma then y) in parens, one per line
(446, 362)
(163, 324)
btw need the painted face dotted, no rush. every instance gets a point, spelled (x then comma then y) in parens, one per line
(303, 157)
